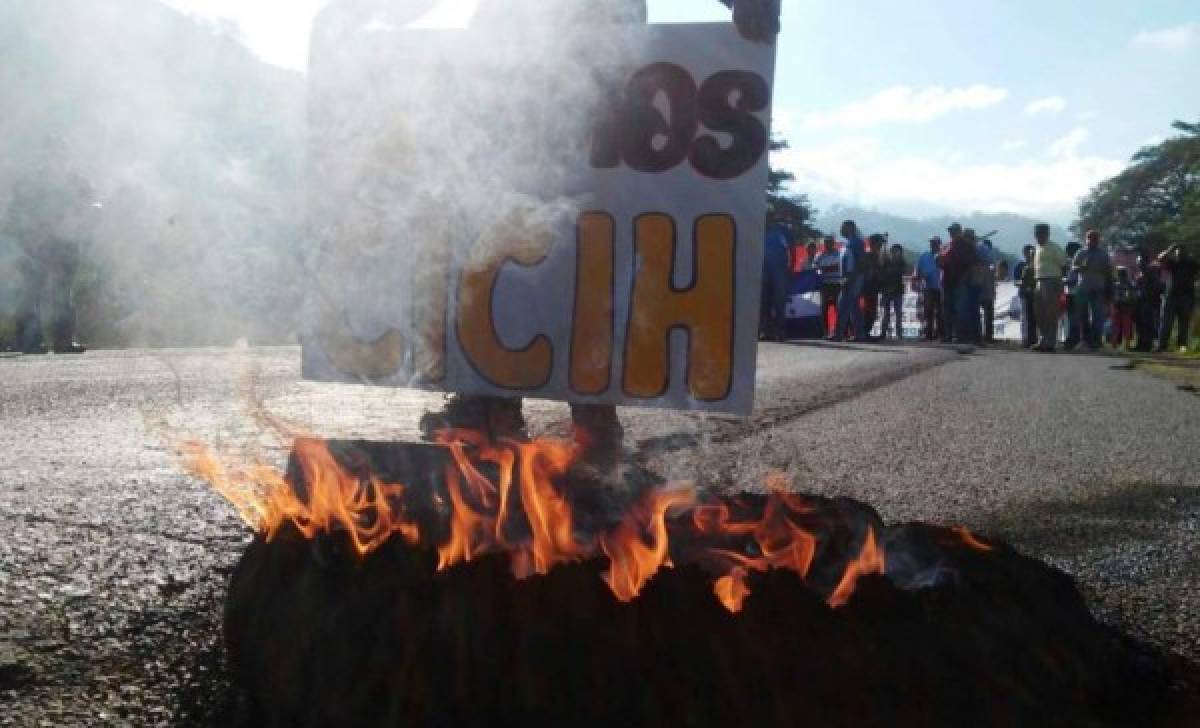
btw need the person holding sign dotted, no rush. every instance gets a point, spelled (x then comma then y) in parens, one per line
(756, 20)
(597, 428)
(501, 220)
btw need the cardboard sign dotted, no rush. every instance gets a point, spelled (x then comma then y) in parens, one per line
(489, 229)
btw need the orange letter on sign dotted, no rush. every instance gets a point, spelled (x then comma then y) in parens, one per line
(705, 309)
(527, 368)
(592, 337)
(368, 360)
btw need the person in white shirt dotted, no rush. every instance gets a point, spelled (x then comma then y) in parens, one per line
(832, 276)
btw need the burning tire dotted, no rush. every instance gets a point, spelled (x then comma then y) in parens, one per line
(951, 631)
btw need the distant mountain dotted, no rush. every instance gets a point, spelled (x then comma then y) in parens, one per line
(1013, 231)
(193, 146)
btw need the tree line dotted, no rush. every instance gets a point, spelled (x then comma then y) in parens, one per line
(1155, 201)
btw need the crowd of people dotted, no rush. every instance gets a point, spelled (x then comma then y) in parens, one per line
(1083, 288)
(1069, 297)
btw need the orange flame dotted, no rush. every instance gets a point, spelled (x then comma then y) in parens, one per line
(367, 509)
(731, 589)
(503, 497)
(548, 513)
(480, 515)
(470, 528)
(971, 539)
(870, 560)
(781, 543)
(634, 560)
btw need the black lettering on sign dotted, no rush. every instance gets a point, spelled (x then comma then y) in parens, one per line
(636, 130)
(645, 125)
(728, 102)
(606, 136)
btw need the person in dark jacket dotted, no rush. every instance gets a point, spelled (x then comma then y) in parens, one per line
(891, 277)
(957, 259)
(971, 292)
(1026, 278)
(1124, 303)
(1180, 298)
(1148, 303)
(1070, 285)
(872, 267)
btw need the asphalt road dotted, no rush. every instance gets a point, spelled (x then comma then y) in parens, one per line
(113, 562)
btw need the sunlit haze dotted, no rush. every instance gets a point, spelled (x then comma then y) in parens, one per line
(924, 107)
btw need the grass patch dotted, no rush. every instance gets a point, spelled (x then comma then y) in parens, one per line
(1182, 370)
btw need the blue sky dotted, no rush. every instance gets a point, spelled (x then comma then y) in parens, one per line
(935, 106)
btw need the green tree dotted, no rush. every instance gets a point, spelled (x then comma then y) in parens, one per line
(791, 209)
(1185, 228)
(1155, 201)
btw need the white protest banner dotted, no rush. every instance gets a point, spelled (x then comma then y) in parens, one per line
(588, 229)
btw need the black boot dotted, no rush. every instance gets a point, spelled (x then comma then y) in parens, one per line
(496, 417)
(600, 437)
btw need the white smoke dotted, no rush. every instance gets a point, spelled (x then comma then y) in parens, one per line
(440, 149)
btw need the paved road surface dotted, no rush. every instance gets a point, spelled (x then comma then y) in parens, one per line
(112, 563)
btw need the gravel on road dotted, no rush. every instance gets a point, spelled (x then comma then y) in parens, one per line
(1075, 459)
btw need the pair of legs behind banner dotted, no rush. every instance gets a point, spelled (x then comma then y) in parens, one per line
(893, 304)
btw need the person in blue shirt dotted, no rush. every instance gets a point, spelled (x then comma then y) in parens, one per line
(850, 314)
(927, 278)
(776, 279)
(987, 289)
